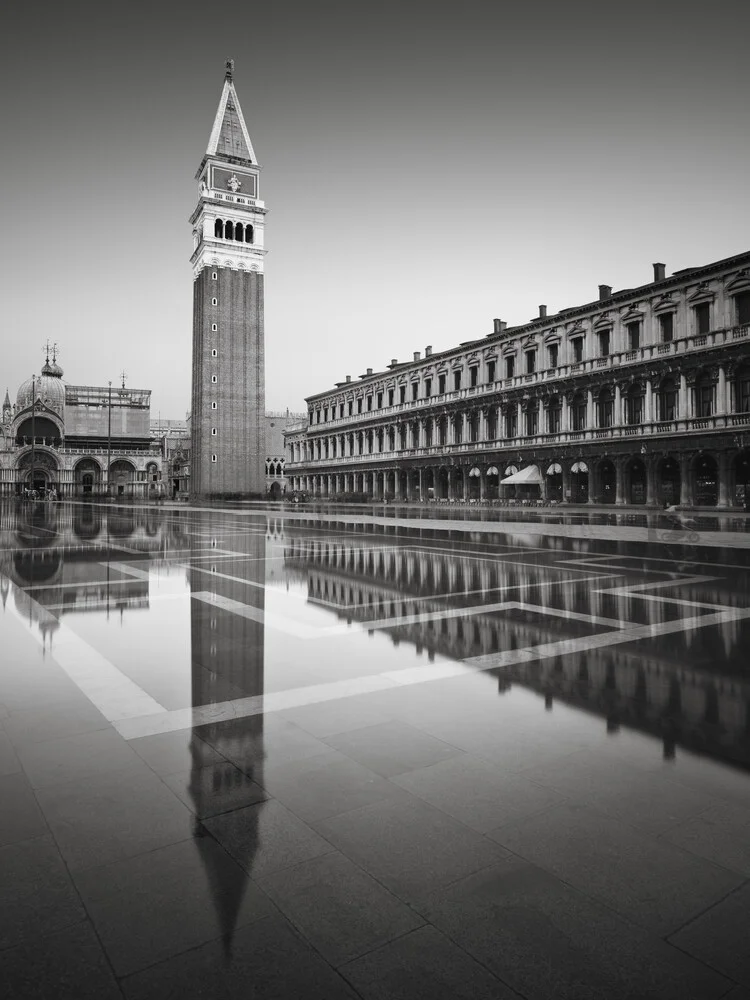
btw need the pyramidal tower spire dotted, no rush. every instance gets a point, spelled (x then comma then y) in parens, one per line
(228, 395)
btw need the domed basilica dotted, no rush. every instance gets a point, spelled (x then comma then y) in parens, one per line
(77, 439)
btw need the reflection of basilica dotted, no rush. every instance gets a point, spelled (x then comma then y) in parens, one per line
(667, 685)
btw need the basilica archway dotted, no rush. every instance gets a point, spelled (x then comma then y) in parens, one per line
(37, 469)
(636, 481)
(87, 476)
(706, 481)
(121, 477)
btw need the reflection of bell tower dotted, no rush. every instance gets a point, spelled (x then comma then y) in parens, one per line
(228, 397)
(227, 664)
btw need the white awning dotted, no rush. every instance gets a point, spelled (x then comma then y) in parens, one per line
(492, 471)
(529, 475)
(474, 472)
(511, 470)
(579, 467)
(555, 469)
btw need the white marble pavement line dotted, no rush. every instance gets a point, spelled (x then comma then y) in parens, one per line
(81, 585)
(316, 693)
(114, 694)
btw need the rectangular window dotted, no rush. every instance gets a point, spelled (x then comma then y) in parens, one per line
(702, 318)
(380, 400)
(390, 397)
(634, 336)
(317, 416)
(213, 406)
(427, 388)
(214, 353)
(341, 409)
(359, 405)
(456, 381)
(532, 422)
(666, 327)
(577, 344)
(491, 371)
(441, 384)
(214, 275)
(553, 419)
(604, 343)
(552, 352)
(369, 402)
(530, 362)
(213, 328)
(473, 376)
(402, 394)
(214, 379)
(213, 458)
(415, 390)
(213, 432)
(214, 302)
(350, 407)
(510, 368)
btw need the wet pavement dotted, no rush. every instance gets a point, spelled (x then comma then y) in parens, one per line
(378, 753)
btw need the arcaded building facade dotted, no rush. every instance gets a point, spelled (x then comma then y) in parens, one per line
(78, 439)
(639, 397)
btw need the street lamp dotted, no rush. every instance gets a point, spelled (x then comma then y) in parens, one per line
(33, 427)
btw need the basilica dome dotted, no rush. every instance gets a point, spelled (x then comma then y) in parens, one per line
(48, 387)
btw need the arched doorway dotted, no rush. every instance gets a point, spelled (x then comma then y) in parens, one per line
(493, 480)
(474, 483)
(579, 475)
(87, 476)
(121, 477)
(607, 482)
(706, 481)
(275, 491)
(442, 484)
(741, 470)
(37, 470)
(669, 481)
(554, 482)
(510, 489)
(637, 481)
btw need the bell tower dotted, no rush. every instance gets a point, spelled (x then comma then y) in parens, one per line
(228, 392)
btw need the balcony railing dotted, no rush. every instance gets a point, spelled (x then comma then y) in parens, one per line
(645, 430)
(681, 346)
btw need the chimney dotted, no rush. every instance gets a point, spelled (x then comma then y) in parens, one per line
(497, 326)
(659, 272)
(348, 378)
(417, 356)
(605, 292)
(542, 312)
(428, 350)
(369, 371)
(394, 362)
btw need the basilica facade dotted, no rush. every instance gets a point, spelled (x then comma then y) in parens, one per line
(78, 440)
(639, 397)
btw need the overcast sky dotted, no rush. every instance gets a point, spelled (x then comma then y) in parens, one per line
(427, 167)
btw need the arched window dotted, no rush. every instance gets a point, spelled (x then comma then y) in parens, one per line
(553, 415)
(219, 229)
(668, 400)
(249, 234)
(229, 231)
(742, 391)
(579, 412)
(634, 405)
(606, 407)
(704, 395)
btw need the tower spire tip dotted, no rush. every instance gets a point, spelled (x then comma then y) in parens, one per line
(230, 69)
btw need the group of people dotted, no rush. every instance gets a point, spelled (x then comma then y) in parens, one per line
(42, 493)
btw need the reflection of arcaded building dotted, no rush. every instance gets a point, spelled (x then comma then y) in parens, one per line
(666, 684)
(642, 396)
(78, 439)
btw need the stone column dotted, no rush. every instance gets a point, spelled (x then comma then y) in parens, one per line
(519, 419)
(721, 392)
(590, 418)
(565, 414)
(397, 484)
(682, 398)
(617, 415)
(725, 480)
(649, 403)
(482, 492)
(565, 480)
(593, 481)
(651, 490)
(483, 424)
(686, 481)
(421, 490)
(620, 481)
